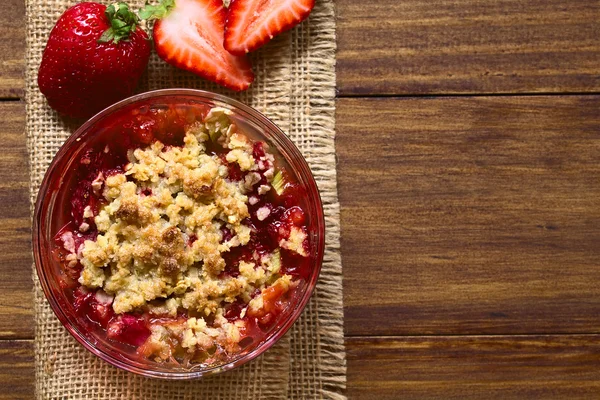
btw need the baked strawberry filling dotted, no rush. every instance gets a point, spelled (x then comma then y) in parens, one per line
(187, 239)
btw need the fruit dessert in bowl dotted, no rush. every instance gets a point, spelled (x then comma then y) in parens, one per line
(178, 233)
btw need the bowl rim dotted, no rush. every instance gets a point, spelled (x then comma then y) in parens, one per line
(286, 323)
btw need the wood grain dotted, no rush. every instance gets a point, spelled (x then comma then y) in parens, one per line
(494, 367)
(12, 48)
(504, 367)
(467, 46)
(16, 301)
(16, 369)
(470, 215)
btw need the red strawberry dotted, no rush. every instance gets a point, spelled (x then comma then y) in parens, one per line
(252, 23)
(189, 35)
(127, 328)
(95, 56)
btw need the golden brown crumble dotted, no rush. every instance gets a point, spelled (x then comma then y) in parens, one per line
(160, 243)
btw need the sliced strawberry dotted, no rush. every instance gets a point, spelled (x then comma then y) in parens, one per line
(252, 23)
(189, 35)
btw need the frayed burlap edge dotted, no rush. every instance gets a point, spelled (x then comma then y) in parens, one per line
(295, 87)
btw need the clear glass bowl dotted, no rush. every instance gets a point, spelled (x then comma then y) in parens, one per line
(49, 218)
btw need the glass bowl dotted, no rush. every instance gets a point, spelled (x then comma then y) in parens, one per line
(50, 217)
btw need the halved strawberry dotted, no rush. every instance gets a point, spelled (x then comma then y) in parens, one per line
(252, 23)
(189, 35)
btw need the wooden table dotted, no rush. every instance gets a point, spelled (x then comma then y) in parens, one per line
(468, 139)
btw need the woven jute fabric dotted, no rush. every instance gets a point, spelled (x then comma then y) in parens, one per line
(295, 87)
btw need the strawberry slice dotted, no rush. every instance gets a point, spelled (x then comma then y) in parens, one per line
(188, 34)
(252, 23)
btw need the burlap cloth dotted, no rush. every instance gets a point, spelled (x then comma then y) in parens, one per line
(295, 87)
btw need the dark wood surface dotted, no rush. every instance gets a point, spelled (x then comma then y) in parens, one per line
(16, 369)
(16, 314)
(474, 367)
(12, 49)
(470, 223)
(467, 46)
(470, 215)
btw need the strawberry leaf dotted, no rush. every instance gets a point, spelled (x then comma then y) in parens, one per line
(123, 22)
(151, 12)
(107, 36)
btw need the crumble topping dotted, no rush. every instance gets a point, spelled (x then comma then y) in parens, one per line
(166, 226)
(295, 241)
(160, 240)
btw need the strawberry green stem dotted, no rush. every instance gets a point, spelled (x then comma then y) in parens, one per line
(123, 23)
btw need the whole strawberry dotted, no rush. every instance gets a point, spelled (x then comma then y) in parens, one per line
(95, 56)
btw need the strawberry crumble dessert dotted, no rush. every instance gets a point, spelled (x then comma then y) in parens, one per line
(186, 240)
